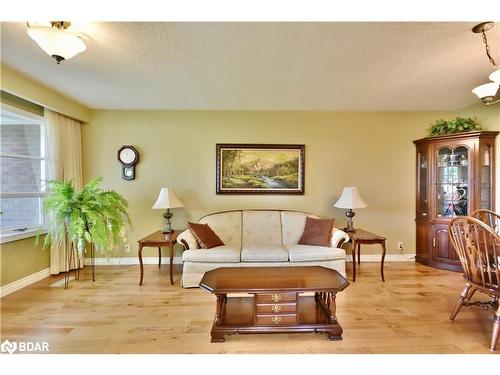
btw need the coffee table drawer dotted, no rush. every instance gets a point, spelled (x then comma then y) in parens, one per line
(276, 320)
(275, 297)
(277, 308)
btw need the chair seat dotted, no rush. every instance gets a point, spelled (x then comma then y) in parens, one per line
(493, 284)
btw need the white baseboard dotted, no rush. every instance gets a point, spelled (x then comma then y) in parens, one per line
(130, 261)
(388, 258)
(24, 282)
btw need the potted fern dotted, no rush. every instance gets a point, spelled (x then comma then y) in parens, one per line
(90, 216)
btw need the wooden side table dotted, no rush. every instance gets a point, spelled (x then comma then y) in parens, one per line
(158, 239)
(360, 237)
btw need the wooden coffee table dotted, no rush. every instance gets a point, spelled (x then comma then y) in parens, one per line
(275, 303)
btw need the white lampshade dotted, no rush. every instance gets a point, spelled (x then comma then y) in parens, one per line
(488, 90)
(56, 42)
(350, 198)
(495, 76)
(167, 199)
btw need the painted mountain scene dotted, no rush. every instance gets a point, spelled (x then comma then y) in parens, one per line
(260, 169)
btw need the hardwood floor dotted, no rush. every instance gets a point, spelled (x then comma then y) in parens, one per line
(409, 313)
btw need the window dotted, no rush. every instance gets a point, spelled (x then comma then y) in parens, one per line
(23, 172)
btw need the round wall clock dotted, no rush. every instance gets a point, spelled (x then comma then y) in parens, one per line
(129, 157)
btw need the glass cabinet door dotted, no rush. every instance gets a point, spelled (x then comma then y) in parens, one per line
(453, 198)
(423, 168)
(485, 169)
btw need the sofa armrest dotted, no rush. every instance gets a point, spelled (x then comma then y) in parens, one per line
(187, 240)
(339, 237)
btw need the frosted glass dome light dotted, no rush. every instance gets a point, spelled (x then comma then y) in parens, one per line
(56, 41)
(486, 92)
(495, 76)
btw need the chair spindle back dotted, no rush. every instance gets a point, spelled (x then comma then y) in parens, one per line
(478, 247)
(489, 217)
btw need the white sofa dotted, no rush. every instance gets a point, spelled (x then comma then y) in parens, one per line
(256, 238)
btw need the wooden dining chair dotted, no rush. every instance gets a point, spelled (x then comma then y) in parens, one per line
(489, 217)
(478, 247)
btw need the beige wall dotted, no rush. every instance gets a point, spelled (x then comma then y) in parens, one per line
(489, 117)
(16, 101)
(370, 150)
(16, 83)
(22, 258)
(373, 151)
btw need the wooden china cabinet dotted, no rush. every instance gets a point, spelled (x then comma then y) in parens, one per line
(455, 176)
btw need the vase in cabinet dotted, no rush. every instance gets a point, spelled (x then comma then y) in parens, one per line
(455, 175)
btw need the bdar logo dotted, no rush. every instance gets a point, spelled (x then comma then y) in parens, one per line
(8, 347)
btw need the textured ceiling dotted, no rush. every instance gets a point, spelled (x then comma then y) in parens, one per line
(264, 66)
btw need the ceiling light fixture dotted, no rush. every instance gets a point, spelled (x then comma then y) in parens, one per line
(489, 92)
(56, 40)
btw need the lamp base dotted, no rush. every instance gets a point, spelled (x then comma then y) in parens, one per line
(350, 228)
(168, 228)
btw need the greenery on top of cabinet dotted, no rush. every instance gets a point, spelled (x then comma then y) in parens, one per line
(458, 125)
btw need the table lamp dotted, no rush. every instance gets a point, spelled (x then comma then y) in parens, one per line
(350, 199)
(167, 199)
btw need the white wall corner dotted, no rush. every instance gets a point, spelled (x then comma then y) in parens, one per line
(24, 282)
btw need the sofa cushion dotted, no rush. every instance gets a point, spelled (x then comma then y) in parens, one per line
(292, 226)
(264, 254)
(219, 254)
(308, 253)
(206, 237)
(227, 225)
(317, 232)
(261, 228)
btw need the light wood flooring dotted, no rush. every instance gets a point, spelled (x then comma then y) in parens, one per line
(409, 313)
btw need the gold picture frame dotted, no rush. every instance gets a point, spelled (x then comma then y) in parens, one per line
(260, 168)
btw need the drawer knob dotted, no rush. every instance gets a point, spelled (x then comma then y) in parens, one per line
(276, 297)
(276, 308)
(276, 319)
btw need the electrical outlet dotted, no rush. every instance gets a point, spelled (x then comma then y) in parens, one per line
(400, 245)
(127, 248)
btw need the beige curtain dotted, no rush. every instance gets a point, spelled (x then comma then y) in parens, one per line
(64, 156)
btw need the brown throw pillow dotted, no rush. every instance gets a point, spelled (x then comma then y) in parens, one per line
(205, 235)
(317, 232)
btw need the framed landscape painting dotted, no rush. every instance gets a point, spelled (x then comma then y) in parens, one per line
(260, 169)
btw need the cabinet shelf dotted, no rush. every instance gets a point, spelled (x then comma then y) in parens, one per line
(452, 183)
